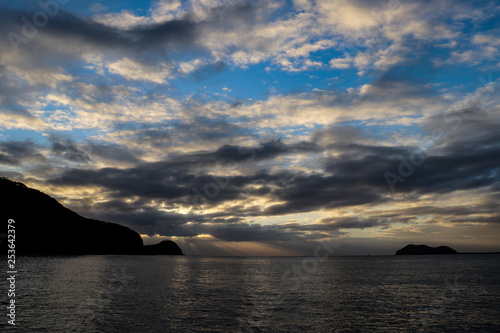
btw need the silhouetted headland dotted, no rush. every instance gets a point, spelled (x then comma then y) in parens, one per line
(45, 227)
(164, 247)
(424, 249)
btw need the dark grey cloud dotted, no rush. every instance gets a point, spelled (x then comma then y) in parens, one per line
(355, 223)
(147, 181)
(162, 37)
(68, 149)
(151, 136)
(20, 152)
(331, 136)
(200, 129)
(85, 152)
(209, 130)
(469, 157)
(113, 153)
(337, 223)
(456, 210)
(305, 193)
(355, 176)
(477, 219)
(209, 70)
(352, 175)
(177, 177)
(69, 27)
(458, 159)
(468, 120)
(137, 214)
(266, 151)
(147, 220)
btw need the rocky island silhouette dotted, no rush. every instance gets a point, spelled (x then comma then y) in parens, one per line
(411, 249)
(45, 227)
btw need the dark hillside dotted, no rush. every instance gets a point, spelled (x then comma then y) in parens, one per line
(45, 227)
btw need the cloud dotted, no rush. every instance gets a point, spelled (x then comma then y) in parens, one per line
(108, 34)
(113, 153)
(351, 173)
(247, 33)
(122, 20)
(341, 63)
(20, 153)
(67, 149)
(473, 57)
(20, 119)
(491, 40)
(136, 71)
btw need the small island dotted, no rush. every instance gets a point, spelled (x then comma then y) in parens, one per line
(424, 249)
(164, 247)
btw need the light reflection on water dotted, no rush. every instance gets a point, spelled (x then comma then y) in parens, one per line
(204, 294)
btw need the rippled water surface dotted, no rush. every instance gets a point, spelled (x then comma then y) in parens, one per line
(455, 293)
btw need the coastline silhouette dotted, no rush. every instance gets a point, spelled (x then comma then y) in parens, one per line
(45, 227)
(411, 249)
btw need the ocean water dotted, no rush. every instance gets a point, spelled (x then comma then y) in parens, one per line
(458, 293)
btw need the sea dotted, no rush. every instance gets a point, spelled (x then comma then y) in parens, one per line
(435, 293)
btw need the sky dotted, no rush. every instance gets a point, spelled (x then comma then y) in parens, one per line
(260, 127)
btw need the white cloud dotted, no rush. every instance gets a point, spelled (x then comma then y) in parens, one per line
(353, 27)
(473, 57)
(124, 19)
(39, 76)
(19, 120)
(486, 39)
(341, 63)
(136, 71)
(190, 66)
(160, 11)
(370, 34)
(344, 15)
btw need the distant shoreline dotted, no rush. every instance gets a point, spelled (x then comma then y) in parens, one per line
(478, 252)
